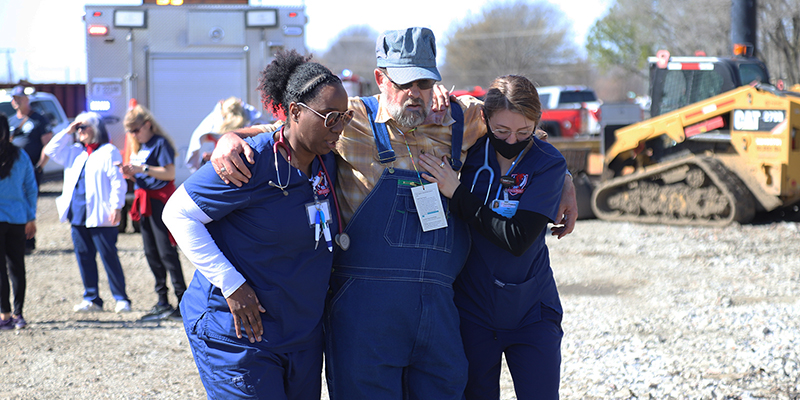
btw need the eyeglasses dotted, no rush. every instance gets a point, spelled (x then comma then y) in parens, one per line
(422, 84)
(332, 118)
(521, 135)
(135, 131)
(79, 127)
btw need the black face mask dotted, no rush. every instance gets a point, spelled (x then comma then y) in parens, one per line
(509, 151)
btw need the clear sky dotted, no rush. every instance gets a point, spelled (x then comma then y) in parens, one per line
(44, 40)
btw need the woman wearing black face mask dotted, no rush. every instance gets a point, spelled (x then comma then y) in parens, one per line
(506, 294)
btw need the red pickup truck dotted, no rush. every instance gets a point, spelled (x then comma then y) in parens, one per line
(568, 111)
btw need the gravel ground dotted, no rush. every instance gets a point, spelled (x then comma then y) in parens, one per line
(651, 312)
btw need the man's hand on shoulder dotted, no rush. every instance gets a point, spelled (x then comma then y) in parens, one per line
(440, 102)
(226, 161)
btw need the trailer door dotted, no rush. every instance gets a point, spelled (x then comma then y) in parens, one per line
(184, 88)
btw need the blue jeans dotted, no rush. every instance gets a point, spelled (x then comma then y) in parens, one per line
(87, 242)
(392, 328)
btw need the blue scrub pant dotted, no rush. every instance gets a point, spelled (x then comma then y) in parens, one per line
(533, 354)
(391, 325)
(240, 370)
(89, 241)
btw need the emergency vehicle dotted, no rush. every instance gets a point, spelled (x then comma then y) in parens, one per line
(180, 60)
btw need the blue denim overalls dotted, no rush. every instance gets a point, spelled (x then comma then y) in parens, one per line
(392, 328)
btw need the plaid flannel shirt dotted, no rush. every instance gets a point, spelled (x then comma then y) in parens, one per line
(359, 168)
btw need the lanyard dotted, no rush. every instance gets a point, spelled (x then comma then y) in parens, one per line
(419, 177)
(333, 193)
(511, 168)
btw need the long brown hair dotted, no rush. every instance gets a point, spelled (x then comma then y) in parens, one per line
(9, 153)
(137, 116)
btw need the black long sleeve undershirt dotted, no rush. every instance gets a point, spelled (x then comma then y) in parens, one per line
(515, 234)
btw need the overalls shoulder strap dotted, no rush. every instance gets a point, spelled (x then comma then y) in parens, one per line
(379, 132)
(457, 131)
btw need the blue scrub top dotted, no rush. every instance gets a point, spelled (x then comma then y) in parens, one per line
(268, 238)
(496, 289)
(158, 153)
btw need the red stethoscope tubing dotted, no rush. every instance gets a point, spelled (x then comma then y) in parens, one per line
(280, 142)
(333, 193)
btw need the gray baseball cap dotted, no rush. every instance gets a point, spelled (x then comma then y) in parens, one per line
(18, 91)
(408, 55)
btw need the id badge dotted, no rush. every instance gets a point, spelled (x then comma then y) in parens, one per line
(429, 207)
(311, 210)
(506, 208)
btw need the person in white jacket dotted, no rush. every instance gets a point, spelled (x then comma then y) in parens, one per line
(228, 115)
(91, 201)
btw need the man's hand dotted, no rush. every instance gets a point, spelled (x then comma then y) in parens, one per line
(226, 160)
(567, 210)
(441, 98)
(246, 311)
(440, 101)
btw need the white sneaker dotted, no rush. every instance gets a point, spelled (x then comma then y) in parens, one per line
(87, 306)
(122, 306)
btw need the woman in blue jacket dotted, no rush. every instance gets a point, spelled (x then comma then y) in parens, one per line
(18, 194)
(509, 191)
(263, 251)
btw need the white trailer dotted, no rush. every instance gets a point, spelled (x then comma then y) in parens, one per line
(179, 61)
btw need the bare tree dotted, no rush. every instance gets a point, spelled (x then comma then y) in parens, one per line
(530, 39)
(779, 38)
(634, 29)
(353, 49)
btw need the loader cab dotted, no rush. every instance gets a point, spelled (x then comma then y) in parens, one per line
(676, 82)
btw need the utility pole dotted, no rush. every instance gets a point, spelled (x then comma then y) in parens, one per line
(9, 65)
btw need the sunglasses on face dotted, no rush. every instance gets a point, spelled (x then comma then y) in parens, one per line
(332, 118)
(135, 131)
(79, 127)
(422, 84)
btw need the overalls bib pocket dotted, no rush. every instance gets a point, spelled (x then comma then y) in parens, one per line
(404, 230)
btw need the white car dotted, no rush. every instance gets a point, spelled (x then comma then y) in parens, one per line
(576, 96)
(45, 104)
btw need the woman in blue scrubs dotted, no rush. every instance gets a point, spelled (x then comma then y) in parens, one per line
(253, 311)
(509, 190)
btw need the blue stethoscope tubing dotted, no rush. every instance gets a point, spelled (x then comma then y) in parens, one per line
(484, 167)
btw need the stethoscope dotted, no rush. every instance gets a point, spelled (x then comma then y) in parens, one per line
(342, 239)
(486, 167)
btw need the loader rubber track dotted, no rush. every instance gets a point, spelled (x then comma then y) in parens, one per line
(694, 190)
